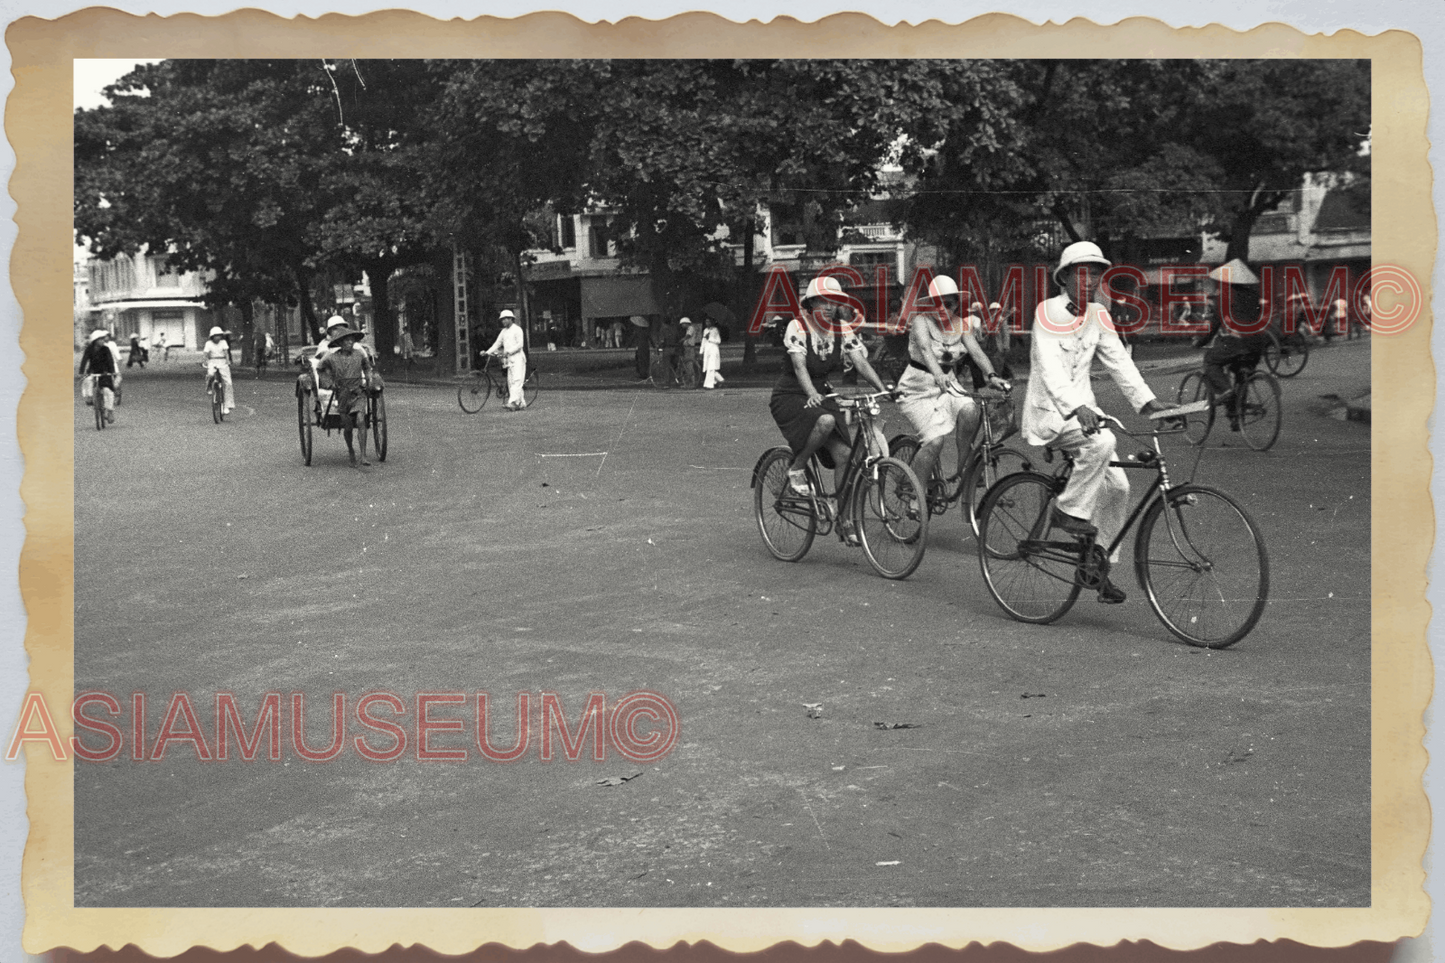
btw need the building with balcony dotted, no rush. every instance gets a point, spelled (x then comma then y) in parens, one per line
(141, 295)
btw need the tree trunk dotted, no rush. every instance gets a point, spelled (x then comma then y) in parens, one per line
(523, 315)
(309, 323)
(383, 324)
(1238, 246)
(248, 332)
(750, 340)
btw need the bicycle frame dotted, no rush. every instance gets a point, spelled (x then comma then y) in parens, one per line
(860, 459)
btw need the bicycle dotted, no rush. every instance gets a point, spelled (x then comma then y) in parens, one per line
(99, 383)
(667, 370)
(472, 395)
(880, 496)
(990, 459)
(1254, 405)
(1286, 356)
(689, 369)
(1198, 555)
(216, 390)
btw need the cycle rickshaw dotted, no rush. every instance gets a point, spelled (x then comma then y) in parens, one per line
(316, 409)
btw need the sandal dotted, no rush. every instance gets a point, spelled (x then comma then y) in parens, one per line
(798, 481)
(850, 535)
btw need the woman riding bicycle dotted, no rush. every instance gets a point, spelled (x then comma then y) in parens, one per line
(931, 397)
(216, 355)
(98, 360)
(818, 345)
(1236, 293)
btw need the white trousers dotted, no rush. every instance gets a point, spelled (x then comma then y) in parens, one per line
(1095, 491)
(516, 372)
(225, 370)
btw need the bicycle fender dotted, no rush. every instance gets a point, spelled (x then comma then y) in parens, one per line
(762, 458)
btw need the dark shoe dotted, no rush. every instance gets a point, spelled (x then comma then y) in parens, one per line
(1111, 594)
(1072, 525)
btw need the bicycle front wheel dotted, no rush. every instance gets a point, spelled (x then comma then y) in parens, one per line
(785, 519)
(474, 393)
(890, 519)
(217, 394)
(1203, 565)
(378, 424)
(531, 386)
(303, 424)
(1027, 565)
(1197, 426)
(1259, 411)
(99, 406)
(985, 468)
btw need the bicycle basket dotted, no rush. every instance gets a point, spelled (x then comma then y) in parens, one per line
(1003, 419)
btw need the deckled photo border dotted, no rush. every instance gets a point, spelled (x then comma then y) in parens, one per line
(38, 124)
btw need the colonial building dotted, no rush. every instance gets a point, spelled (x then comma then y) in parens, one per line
(141, 295)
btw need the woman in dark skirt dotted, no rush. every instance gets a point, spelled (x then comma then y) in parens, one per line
(816, 349)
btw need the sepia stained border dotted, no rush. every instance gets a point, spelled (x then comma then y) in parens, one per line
(38, 124)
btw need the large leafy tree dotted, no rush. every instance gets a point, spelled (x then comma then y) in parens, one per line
(261, 173)
(213, 162)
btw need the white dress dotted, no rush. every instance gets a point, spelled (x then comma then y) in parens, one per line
(711, 357)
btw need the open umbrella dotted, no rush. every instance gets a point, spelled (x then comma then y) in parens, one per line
(638, 321)
(719, 312)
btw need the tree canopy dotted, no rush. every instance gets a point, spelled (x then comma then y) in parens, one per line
(265, 172)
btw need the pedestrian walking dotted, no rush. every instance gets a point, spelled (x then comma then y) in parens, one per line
(711, 355)
(162, 348)
(1059, 408)
(137, 353)
(509, 347)
(98, 360)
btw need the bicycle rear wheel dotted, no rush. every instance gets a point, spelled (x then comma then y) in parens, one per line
(985, 468)
(1259, 410)
(473, 394)
(660, 371)
(1197, 426)
(531, 386)
(1203, 566)
(1287, 356)
(887, 516)
(785, 519)
(1027, 565)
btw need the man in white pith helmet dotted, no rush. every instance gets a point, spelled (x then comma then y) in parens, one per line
(509, 348)
(1059, 409)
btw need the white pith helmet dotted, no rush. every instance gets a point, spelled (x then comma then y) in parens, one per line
(217, 330)
(334, 320)
(824, 284)
(1080, 252)
(942, 286)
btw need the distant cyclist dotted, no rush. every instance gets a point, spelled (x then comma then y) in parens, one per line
(98, 360)
(216, 356)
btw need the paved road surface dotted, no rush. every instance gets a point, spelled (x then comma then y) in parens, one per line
(604, 541)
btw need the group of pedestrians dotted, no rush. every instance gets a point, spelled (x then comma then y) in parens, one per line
(1070, 332)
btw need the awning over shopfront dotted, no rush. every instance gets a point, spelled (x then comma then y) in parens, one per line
(610, 297)
(127, 305)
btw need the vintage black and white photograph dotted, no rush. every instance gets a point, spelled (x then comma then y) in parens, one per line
(723, 482)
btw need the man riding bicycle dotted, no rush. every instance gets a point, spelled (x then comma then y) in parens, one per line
(1232, 350)
(1060, 410)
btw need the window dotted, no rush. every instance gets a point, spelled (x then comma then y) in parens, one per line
(568, 233)
(597, 234)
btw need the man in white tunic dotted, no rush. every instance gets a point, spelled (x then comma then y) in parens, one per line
(509, 348)
(1059, 408)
